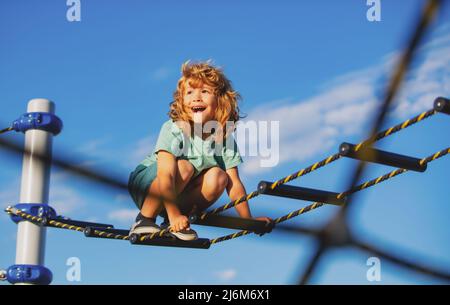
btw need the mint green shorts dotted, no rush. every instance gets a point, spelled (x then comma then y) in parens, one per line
(139, 182)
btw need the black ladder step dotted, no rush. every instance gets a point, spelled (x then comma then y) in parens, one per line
(301, 193)
(91, 232)
(200, 243)
(382, 157)
(229, 222)
(442, 104)
(167, 240)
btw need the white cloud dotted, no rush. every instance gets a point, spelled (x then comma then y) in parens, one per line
(62, 197)
(10, 195)
(125, 216)
(345, 117)
(93, 146)
(96, 152)
(65, 199)
(92, 219)
(344, 105)
(226, 275)
(311, 126)
(429, 80)
(140, 150)
(161, 74)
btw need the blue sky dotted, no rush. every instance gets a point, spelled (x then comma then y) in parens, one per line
(316, 66)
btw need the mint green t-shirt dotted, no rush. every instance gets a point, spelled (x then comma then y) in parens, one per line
(202, 154)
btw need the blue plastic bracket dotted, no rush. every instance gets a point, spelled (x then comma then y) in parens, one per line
(36, 209)
(30, 274)
(38, 120)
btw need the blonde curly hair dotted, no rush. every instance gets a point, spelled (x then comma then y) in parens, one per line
(197, 74)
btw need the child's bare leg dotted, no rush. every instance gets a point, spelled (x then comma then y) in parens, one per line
(204, 190)
(153, 204)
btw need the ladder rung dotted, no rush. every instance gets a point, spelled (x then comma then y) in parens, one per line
(90, 232)
(257, 226)
(77, 223)
(200, 243)
(442, 104)
(382, 157)
(301, 193)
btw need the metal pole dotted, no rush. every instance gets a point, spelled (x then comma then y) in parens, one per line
(30, 248)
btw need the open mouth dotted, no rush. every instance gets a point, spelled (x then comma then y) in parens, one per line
(198, 109)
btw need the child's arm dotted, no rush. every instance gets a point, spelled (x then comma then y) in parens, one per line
(236, 190)
(167, 167)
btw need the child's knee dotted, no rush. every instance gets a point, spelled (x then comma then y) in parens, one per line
(185, 169)
(222, 179)
(217, 181)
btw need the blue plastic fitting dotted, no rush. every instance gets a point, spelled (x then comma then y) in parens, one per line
(36, 209)
(29, 274)
(38, 120)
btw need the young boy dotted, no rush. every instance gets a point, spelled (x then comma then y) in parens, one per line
(181, 176)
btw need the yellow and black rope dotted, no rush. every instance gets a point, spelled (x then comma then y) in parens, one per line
(41, 221)
(62, 225)
(111, 235)
(59, 224)
(313, 167)
(358, 188)
(154, 235)
(326, 161)
(396, 128)
(4, 130)
(35, 219)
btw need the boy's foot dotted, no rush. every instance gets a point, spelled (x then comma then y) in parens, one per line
(186, 234)
(144, 225)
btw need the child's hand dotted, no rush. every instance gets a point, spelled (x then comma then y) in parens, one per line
(179, 223)
(266, 219)
(269, 224)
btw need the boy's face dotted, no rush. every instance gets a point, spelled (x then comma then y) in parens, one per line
(200, 103)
